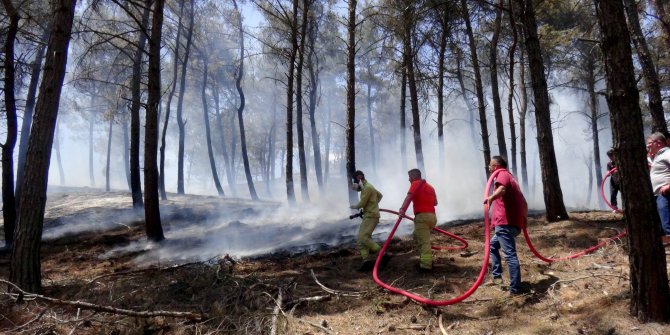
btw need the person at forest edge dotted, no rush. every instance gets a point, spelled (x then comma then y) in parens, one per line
(423, 197)
(659, 174)
(614, 179)
(510, 212)
(369, 202)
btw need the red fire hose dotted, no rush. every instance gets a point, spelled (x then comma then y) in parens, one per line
(591, 249)
(427, 301)
(464, 243)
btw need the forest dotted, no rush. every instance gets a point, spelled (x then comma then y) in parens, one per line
(160, 139)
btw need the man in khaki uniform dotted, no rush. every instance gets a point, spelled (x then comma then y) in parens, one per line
(369, 202)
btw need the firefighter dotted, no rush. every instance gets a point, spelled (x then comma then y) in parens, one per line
(369, 203)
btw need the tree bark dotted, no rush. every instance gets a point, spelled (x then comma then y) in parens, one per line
(152, 215)
(8, 199)
(180, 102)
(314, 70)
(553, 196)
(290, 190)
(523, 109)
(350, 129)
(510, 96)
(208, 136)
(109, 154)
(442, 52)
(240, 109)
(403, 117)
(479, 88)
(224, 149)
(651, 82)
(126, 151)
(35, 71)
(136, 92)
(648, 276)
(408, 58)
(495, 93)
(593, 118)
(175, 69)
(25, 267)
(302, 161)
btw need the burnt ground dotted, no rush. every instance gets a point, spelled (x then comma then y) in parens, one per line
(95, 252)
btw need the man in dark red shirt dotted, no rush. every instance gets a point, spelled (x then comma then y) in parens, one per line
(423, 196)
(509, 215)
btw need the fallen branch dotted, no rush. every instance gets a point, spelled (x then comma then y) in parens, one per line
(552, 286)
(331, 291)
(109, 309)
(324, 329)
(413, 327)
(439, 321)
(275, 312)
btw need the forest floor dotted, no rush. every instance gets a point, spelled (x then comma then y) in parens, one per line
(95, 257)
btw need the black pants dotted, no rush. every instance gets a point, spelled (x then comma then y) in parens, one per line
(614, 190)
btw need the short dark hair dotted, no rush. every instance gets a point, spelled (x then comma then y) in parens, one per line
(415, 172)
(359, 173)
(500, 160)
(610, 152)
(656, 136)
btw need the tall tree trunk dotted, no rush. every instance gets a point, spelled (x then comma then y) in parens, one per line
(440, 91)
(152, 214)
(109, 154)
(408, 58)
(224, 149)
(326, 162)
(659, 5)
(593, 117)
(25, 267)
(350, 128)
(290, 190)
(304, 191)
(175, 68)
(403, 117)
(651, 82)
(648, 275)
(510, 96)
(35, 71)
(8, 200)
(495, 93)
(240, 109)
(59, 161)
(208, 136)
(553, 196)
(589, 165)
(136, 89)
(126, 151)
(180, 102)
(479, 88)
(91, 124)
(523, 109)
(313, 68)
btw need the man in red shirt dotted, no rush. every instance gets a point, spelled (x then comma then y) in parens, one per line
(509, 215)
(422, 195)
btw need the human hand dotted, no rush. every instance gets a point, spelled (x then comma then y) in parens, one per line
(487, 201)
(401, 211)
(664, 189)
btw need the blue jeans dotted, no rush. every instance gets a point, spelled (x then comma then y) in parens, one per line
(505, 238)
(663, 207)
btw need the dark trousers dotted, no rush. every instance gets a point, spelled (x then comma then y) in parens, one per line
(614, 190)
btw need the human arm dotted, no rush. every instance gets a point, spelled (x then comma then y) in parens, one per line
(499, 192)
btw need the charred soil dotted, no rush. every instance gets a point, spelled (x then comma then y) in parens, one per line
(318, 292)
